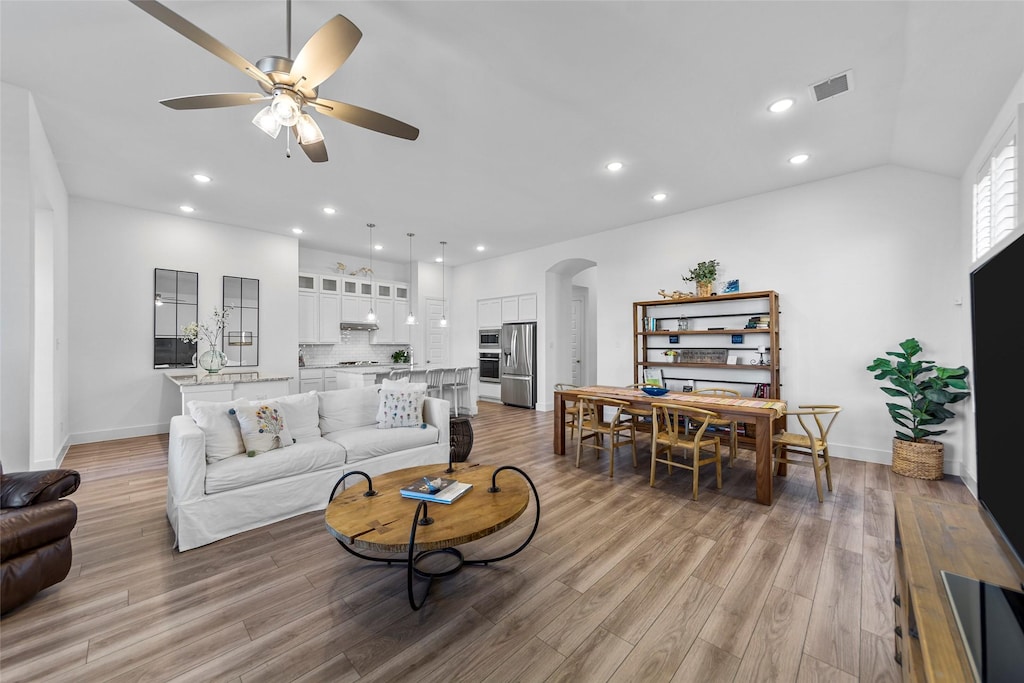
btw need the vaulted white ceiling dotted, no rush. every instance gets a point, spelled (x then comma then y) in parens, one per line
(520, 106)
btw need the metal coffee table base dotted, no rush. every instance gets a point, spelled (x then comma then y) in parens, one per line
(421, 518)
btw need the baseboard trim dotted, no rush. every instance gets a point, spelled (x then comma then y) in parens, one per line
(880, 457)
(122, 433)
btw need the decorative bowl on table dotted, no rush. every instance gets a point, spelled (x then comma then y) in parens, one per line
(654, 391)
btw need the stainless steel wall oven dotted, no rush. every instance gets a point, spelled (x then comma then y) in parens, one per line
(490, 367)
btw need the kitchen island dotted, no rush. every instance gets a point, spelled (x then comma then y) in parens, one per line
(227, 386)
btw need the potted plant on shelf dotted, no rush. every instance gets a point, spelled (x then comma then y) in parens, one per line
(704, 275)
(400, 356)
(924, 390)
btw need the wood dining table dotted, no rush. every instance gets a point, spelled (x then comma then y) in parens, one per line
(765, 414)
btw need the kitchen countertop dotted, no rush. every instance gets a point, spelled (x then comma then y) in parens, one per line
(224, 378)
(359, 369)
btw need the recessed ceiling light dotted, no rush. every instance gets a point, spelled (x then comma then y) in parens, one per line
(439, 260)
(780, 106)
(297, 231)
(186, 209)
(480, 247)
(200, 178)
(378, 247)
(799, 158)
(659, 196)
(330, 210)
(614, 166)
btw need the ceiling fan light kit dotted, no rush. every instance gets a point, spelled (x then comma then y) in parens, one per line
(289, 84)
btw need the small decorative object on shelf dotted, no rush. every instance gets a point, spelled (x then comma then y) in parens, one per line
(400, 356)
(682, 324)
(704, 275)
(731, 286)
(674, 294)
(213, 359)
(760, 360)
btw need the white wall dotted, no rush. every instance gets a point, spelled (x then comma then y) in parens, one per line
(33, 291)
(115, 392)
(860, 262)
(1011, 113)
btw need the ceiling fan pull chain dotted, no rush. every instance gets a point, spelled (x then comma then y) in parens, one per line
(288, 145)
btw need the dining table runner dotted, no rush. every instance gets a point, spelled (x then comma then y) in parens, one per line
(777, 407)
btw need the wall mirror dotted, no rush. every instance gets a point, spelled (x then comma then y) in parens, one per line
(175, 304)
(242, 334)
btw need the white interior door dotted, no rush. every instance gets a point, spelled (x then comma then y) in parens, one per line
(437, 336)
(576, 341)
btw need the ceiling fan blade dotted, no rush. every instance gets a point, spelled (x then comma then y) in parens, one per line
(224, 99)
(316, 151)
(201, 38)
(365, 118)
(325, 51)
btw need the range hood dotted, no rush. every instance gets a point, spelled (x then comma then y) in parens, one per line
(359, 326)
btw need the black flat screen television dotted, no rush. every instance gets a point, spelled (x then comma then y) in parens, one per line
(997, 308)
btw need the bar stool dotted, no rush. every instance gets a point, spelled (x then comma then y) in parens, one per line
(435, 379)
(458, 381)
(396, 375)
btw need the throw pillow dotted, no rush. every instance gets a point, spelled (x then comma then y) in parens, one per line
(347, 408)
(397, 384)
(263, 427)
(402, 407)
(301, 414)
(219, 426)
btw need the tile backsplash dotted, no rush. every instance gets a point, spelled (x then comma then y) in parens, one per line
(356, 347)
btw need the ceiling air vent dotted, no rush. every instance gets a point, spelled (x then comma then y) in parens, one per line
(832, 86)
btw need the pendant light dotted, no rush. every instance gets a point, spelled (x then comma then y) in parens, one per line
(411, 318)
(371, 316)
(444, 319)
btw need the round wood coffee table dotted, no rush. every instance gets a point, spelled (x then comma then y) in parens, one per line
(387, 522)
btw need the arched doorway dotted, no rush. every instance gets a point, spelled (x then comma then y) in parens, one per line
(570, 321)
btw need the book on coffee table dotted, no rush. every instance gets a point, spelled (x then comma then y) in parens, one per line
(435, 490)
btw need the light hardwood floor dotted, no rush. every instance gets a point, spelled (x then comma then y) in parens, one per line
(622, 582)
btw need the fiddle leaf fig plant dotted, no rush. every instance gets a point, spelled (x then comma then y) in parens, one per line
(705, 271)
(923, 388)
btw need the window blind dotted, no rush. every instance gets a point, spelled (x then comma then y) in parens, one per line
(995, 197)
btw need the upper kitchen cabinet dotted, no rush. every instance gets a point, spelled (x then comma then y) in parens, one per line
(309, 318)
(488, 313)
(319, 309)
(356, 287)
(522, 308)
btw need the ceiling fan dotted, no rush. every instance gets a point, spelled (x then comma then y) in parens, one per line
(288, 85)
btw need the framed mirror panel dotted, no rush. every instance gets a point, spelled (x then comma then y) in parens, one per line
(242, 334)
(175, 304)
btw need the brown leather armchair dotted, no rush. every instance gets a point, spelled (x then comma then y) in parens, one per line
(35, 532)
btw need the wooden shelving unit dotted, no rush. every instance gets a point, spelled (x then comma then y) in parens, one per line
(729, 313)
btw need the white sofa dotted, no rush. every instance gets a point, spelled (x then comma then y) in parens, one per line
(215, 490)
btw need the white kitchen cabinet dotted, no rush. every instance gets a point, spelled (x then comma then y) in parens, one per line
(403, 332)
(311, 379)
(356, 286)
(309, 282)
(330, 380)
(309, 319)
(488, 313)
(510, 309)
(354, 308)
(385, 333)
(385, 290)
(329, 310)
(519, 309)
(329, 285)
(401, 291)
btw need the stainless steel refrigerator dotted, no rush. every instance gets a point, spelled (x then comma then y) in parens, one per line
(519, 364)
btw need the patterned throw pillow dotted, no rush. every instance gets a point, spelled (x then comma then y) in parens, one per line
(263, 427)
(401, 406)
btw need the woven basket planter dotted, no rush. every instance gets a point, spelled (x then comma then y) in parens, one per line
(920, 460)
(704, 288)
